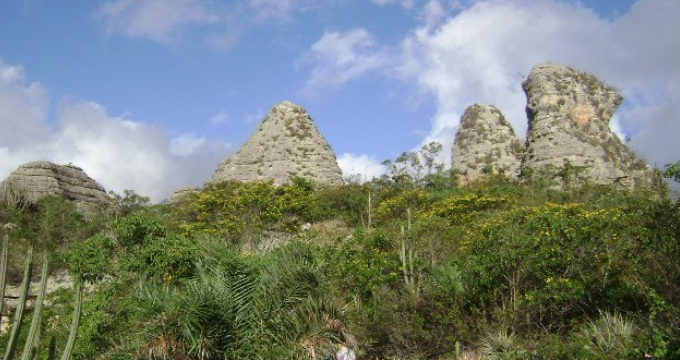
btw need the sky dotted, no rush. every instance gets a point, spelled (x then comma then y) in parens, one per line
(151, 95)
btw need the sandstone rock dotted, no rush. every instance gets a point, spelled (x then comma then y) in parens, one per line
(486, 142)
(182, 193)
(35, 180)
(287, 144)
(569, 113)
(58, 281)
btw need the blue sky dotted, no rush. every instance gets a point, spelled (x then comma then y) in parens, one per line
(151, 95)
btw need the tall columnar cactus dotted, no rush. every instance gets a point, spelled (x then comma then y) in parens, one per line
(407, 257)
(3, 271)
(31, 346)
(75, 322)
(19, 313)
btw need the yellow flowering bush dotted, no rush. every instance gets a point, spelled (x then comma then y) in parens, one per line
(396, 207)
(461, 207)
(548, 261)
(230, 207)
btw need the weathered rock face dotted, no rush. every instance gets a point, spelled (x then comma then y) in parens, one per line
(486, 142)
(183, 193)
(35, 180)
(569, 115)
(287, 144)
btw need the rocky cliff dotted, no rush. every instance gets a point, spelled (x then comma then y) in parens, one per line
(287, 144)
(485, 142)
(34, 180)
(569, 113)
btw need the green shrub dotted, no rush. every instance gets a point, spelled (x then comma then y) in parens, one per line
(233, 207)
(396, 207)
(137, 230)
(366, 263)
(550, 263)
(610, 336)
(502, 345)
(348, 202)
(91, 259)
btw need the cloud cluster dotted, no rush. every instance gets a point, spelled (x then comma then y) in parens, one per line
(157, 20)
(273, 9)
(483, 52)
(220, 24)
(407, 4)
(339, 57)
(117, 152)
(364, 166)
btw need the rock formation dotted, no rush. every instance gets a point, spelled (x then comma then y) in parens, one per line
(287, 144)
(485, 142)
(569, 113)
(183, 193)
(35, 180)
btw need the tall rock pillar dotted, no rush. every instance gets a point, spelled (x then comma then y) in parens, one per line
(569, 113)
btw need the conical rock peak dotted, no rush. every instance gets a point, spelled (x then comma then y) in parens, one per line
(287, 144)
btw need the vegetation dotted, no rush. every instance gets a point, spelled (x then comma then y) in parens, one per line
(425, 269)
(32, 339)
(673, 171)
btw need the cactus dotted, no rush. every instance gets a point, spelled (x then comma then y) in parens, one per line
(407, 258)
(3, 272)
(31, 346)
(19, 314)
(34, 332)
(74, 322)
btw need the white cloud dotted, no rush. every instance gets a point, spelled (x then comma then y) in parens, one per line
(339, 57)
(274, 9)
(223, 41)
(117, 152)
(221, 118)
(658, 139)
(407, 4)
(484, 51)
(23, 108)
(432, 12)
(483, 54)
(156, 20)
(364, 166)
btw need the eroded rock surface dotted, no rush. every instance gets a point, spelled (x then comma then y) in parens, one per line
(287, 144)
(486, 142)
(183, 193)
(33, 181)
(569, 113)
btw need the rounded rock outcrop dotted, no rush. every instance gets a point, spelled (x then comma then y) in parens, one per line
(33, 181)
(287, 144)
(486, 143)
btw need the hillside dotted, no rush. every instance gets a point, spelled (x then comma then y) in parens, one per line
(566, 247)
(403, 267)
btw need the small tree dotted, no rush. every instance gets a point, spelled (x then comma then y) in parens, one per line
(672, 171)
(416, 167)
(129, 202)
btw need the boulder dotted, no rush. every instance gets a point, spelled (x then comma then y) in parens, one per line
(33, 181)
(569, 113)
(486, 143)
(287, 144)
